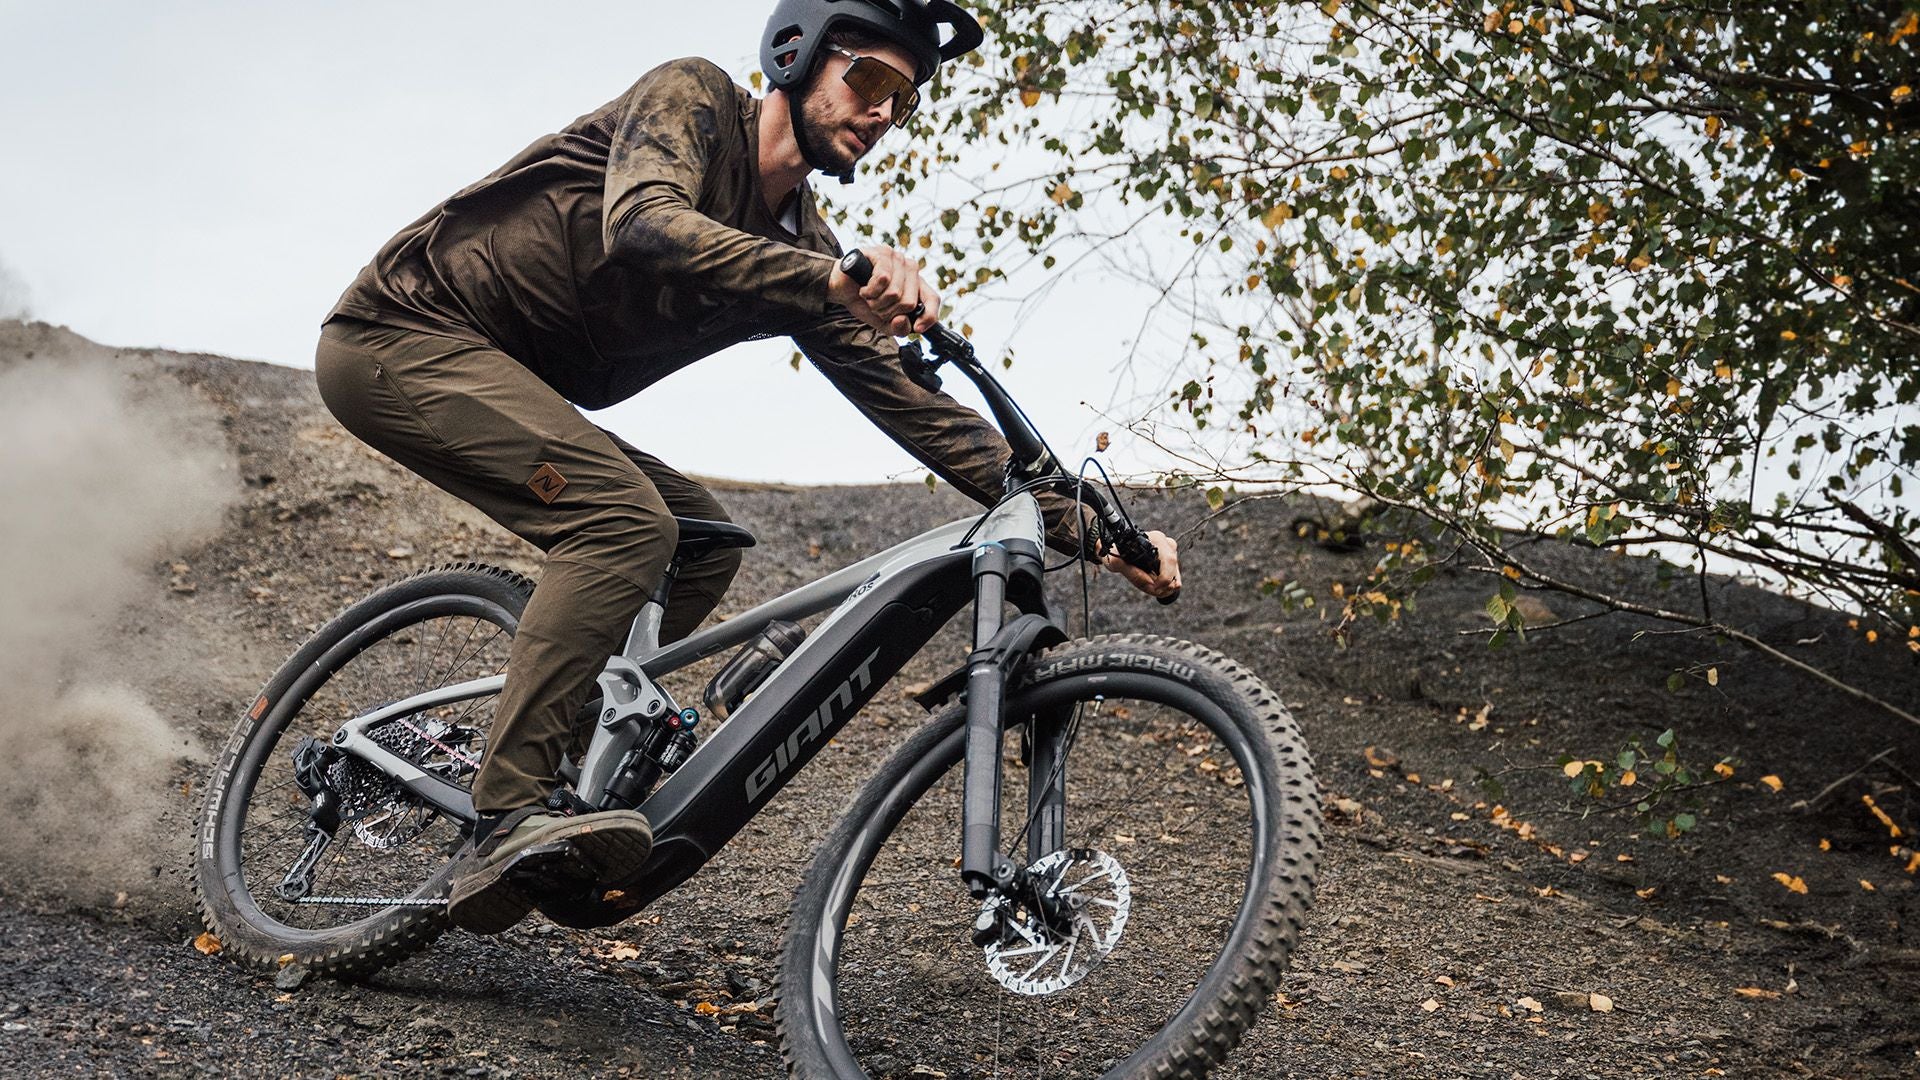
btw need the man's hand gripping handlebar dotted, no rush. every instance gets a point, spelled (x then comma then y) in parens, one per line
(1149, 560)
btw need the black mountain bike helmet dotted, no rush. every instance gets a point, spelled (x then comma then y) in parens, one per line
(794, 41)
(791, 47)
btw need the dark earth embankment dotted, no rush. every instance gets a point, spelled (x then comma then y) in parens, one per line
(1458, 933)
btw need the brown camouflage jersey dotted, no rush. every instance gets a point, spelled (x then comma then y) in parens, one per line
(638, 240)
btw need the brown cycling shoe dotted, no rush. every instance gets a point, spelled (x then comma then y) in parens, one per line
(497, 881)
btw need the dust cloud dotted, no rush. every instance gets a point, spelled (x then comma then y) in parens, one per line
(99, 474)
(16, 300)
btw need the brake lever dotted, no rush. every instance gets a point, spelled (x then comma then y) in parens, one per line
(1130, 543)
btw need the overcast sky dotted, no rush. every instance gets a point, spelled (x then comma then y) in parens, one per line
(209, 176)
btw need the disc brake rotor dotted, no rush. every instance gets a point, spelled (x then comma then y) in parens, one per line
(1077, 906)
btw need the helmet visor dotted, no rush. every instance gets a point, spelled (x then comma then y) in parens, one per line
(875, 81)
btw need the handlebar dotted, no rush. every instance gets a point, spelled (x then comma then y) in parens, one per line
(1032, 460)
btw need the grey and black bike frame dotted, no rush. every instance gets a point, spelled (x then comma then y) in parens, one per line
(886, 608)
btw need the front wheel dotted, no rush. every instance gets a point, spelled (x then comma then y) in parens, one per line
(1159, 914)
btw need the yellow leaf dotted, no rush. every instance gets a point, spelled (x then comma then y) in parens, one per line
(1867, 885)
(1030, 97)
(1772, 781)
(1713, 679)
(1756, 992)
(1444, 245)
(1276, 214)
(1902, 92)
(1713, 126)
(707, 1008)
(1573, 768)
(1826, 844)
(1892, 829)
(1511, 571)
(1721, 370)
(1722, 770)
(207, 943)
(1629, 778)
(1673, 387)
(283, 960)
(1639, 263)
(1647, 893)
(1791, 883)
(1060, 193)
(1100, 442)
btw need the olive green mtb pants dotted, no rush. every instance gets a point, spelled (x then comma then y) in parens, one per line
(478, 425)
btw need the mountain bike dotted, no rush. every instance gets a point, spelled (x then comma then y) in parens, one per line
(1136, 818)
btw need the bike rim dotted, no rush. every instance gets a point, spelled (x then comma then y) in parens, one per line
(1194, 893)
(428, 643)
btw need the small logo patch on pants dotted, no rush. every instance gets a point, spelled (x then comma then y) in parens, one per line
(547, 483)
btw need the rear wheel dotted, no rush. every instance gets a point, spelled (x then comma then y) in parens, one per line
(377, 890)
(1148, 938)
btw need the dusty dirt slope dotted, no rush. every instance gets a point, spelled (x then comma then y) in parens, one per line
(1460, 932)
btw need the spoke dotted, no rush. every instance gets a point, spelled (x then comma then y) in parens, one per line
(460, 653)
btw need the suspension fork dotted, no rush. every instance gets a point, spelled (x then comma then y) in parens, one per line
(1000, 570)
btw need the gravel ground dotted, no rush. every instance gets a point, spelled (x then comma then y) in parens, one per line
(1456, 934)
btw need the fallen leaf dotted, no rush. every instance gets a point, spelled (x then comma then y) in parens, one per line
(1772, 781)
(1600, 1003)
(1577, 857)
(1892, 829)
(1867, 885)
(1723, 770)
(1444, 980)
(284, 959)
(1530, 1005)
(624, 951)
(401, 552)
(1756, 992)
(1100, 442)
(1646, 893)
(1792, 882)
(707, 1008)
(1380, 758)
(207, 943)
(1429, 1005)
(1826, 844)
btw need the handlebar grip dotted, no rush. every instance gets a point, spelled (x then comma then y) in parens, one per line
(857, 266)
(1139, 552)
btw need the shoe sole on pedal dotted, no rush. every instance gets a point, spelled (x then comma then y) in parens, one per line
(572, 857)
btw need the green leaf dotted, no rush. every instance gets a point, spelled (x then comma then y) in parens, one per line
(1676, 682)
(1497, 609)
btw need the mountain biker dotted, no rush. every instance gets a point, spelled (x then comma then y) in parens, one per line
(660, 228)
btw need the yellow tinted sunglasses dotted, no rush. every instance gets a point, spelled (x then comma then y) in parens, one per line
(875, 81)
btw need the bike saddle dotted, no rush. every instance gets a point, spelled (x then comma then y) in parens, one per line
(697, 537)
